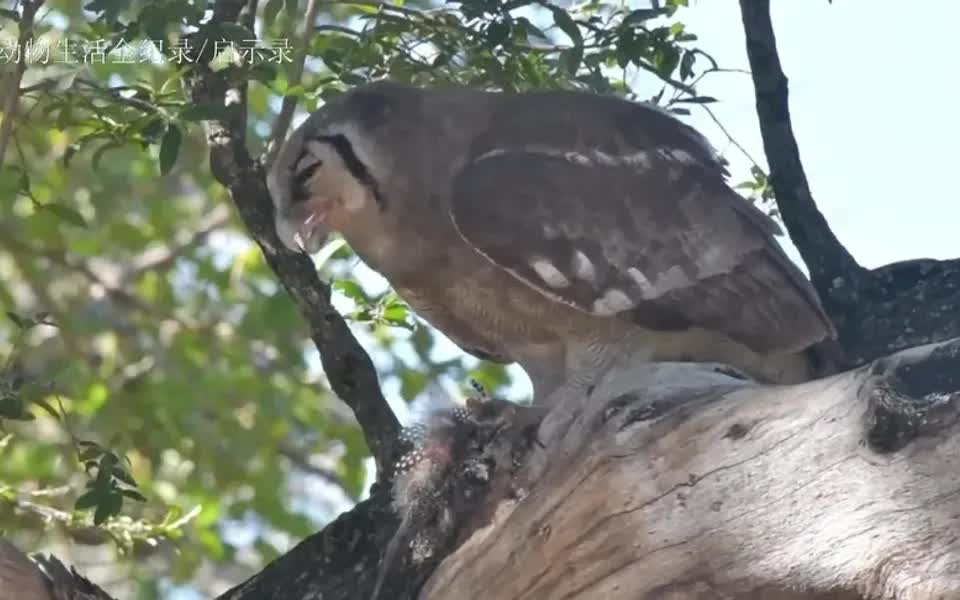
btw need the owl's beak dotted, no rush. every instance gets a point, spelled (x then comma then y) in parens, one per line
(309, 230)
(301, 227)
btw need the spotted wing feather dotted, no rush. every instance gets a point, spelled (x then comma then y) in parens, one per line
(639, 221)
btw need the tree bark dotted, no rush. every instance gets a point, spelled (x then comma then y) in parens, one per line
(699, 486)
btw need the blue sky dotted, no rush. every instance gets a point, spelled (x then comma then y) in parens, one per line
(872, 89)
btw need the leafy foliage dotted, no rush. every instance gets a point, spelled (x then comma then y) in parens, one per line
(164, 394)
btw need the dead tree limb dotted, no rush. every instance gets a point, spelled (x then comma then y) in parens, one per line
(700, 486)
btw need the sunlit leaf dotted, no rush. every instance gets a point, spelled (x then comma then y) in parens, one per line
(65, 213)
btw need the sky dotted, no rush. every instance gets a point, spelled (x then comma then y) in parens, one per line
(872, 83)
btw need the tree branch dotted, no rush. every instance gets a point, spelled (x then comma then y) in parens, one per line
(349, 369)
(824, 255)
(876, 312)
(338, 563)
(162, 257)
(30, 8)
(689, 484)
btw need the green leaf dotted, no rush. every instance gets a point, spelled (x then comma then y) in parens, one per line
(204, 112)
(640, 15)
(351, 289)
(412, 383)
(565, 22)
(134, 495)
(109, 506)
(88, 500)
(65, 213)
(686, 65)
(169, 148)
(270, 12)
(124, 476)
(396, 312)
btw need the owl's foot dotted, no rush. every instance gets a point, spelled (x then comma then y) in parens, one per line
(506, 414)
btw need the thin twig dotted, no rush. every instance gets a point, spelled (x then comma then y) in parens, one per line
(162, 257)
(289, 105)
(729, 135)
(303, 462)
(60, 258)
(338, 29)
(30, 8)
(667, 79)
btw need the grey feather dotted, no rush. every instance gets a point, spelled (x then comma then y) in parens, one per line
(682, 252)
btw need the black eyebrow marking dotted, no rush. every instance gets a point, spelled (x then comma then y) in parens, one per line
(356, 167)
(303, 176)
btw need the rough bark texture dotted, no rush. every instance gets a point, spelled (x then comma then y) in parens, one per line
(700, 486)
(338, 563)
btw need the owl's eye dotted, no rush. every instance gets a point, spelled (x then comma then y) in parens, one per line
(303, 175)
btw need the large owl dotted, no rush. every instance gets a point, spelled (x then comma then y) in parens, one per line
(557, 229)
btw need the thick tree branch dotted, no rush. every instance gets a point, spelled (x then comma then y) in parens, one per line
(823, 253)
(338, 563)
(688, 484)
(349, 369)
(876, 312)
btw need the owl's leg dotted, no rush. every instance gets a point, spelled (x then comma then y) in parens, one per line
(564, 404)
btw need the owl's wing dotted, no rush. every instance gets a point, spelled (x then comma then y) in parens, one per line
(630, 213)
